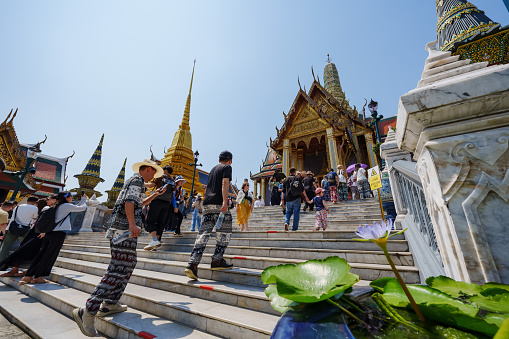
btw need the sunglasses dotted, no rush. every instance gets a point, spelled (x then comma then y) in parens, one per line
(67, 195)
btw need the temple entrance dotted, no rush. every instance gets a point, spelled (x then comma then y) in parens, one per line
(363, 150)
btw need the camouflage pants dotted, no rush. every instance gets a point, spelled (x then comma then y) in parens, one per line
(116, 277)
(209, 219)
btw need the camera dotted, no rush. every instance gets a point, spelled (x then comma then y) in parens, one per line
(170, 182)
(32, 170)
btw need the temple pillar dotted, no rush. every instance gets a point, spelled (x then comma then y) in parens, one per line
(332, 148)
(373, 161)
(263, 189)
(300, 159)
(456, 124)
(255, 187)
(286, 156)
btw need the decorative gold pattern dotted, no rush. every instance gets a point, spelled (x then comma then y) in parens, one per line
(467, 34)
(494, 48)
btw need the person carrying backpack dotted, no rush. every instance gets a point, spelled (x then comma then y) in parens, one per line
(53, 236)
(332, 181)
(292, 190)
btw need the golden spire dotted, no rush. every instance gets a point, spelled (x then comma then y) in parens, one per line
(187, 110)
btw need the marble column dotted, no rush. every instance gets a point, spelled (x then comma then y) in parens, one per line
(456, 123)
(92, 204)
(255, 187)
(263, 188)
(332, 148)
(286, 156)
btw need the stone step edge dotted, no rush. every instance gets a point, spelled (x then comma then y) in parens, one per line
(30, 290)
(159, 293)
(250, 271)
(22, 323)
(301, 249)
(198, 285)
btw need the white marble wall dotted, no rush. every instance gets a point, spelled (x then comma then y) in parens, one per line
(457, 127)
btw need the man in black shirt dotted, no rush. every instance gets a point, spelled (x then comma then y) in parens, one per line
(215, 203)
(292, 190)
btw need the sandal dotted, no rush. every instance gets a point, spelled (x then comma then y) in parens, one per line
(25, 280)
(40, 280)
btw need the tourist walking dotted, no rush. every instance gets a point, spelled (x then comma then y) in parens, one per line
(158, 212)
(325, 186)
(321, 210)
(353, 186)
(342, 187)
(52, 241)
(215, 204)
(309, 186)
(245, 205)
(4, 215)
(178, 216)
(362, 182)
(126, 217)
(197, 213)
(21, 222)
(292, 190)
(275, 195)
(29, 247)
(332, 181)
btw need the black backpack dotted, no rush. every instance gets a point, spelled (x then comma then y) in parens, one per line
(331, 178)
(46, 221)
(296, 187)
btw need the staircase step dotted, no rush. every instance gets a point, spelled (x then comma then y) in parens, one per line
(125, 325)
(32, 317)
(244, 276)
(250, 257)
(216, 318)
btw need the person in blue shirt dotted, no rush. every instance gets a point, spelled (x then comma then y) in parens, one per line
(321, 210)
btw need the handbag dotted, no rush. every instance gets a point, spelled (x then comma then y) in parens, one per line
(341, 177)
(17, 229)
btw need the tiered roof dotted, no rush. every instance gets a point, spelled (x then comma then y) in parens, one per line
(459, 22)
(93, 167)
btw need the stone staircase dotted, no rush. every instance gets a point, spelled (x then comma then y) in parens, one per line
(164, 303)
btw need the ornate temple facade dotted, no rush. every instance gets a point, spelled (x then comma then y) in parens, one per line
(91, 175)
(49, 177)
(321, 131)
(466, 31)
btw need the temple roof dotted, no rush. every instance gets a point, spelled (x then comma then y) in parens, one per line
(93, 167)
(119, 182)
(460, 22)
(342, 108)
(271, 165)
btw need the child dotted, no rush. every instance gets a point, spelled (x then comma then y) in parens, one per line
(321, 210)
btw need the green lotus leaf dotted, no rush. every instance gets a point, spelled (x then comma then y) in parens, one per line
(452, 287)
(496, 318)
(311, 281)
(492, 299)
(277, 302)
(442, 308)
(495, 285)
(379, 284)
(503, 332)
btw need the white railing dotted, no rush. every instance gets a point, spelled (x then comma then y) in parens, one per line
(413, 214)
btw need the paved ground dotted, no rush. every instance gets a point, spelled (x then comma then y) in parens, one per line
(10, 331)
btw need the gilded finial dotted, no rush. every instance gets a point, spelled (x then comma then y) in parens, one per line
(318, 79)
(328, 58)
(285, 115)
(69, 157)
(298, 80)
(270, 140)
(13, 116)
(277, 130)
(187, 110)
(312, 72)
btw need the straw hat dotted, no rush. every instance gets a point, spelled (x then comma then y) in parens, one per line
(153, 164)
(310, 173)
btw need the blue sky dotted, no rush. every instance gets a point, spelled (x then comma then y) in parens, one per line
(77, 69)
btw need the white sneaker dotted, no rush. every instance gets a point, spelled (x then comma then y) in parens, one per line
(152, 244)
(106, 309)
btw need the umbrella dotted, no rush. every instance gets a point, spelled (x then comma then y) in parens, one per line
(351, 168)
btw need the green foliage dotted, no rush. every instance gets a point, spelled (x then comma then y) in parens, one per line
(308, 282)
(443, 308)
(277, 302)
(379, 285)
(492, 299)
(452, 287)
(503, 332)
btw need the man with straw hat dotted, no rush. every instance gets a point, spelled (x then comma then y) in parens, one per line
(126, 217)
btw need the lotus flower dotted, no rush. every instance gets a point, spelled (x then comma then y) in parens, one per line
(378, 233)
